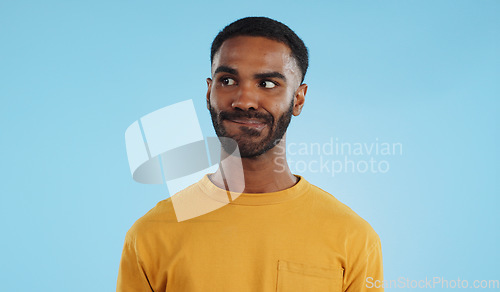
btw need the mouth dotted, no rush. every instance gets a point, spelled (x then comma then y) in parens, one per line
(250, 123)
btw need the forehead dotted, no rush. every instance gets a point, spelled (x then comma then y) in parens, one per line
(259, 53)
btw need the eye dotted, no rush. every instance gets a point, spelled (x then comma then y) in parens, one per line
(267, 84)
(226, 81)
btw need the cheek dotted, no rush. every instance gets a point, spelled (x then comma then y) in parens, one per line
(214, 100)
(286, 101)
(277, 109)
(220, 98)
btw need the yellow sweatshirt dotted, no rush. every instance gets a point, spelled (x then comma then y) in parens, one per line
(298, 239)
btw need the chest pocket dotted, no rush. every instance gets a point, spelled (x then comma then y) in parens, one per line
(307, 278)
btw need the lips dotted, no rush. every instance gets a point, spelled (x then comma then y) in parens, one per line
(252, 123)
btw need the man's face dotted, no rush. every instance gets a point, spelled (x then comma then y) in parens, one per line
(254, 90)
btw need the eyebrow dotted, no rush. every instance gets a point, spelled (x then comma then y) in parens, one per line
(233, 71)
(226, 69)
(270, 75)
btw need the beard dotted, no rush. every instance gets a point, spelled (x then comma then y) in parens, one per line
(248, 143)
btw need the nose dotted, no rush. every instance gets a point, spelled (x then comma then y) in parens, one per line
(246, 98)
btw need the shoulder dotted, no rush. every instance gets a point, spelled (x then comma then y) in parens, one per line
(162, 218)
(163, 213)
(341, 218)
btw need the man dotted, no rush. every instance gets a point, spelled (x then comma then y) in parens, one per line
(281, 233)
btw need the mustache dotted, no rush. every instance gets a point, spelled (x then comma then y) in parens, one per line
(267, 118)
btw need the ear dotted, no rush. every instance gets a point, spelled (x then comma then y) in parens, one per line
(209, 89)
(300, 97)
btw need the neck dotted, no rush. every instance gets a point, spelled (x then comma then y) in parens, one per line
(266, 173)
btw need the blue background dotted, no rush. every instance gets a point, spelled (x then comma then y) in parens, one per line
(75, 74)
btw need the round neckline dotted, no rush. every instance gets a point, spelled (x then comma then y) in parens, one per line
(221, 195)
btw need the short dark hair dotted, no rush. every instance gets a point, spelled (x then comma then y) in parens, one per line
(268, 28)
